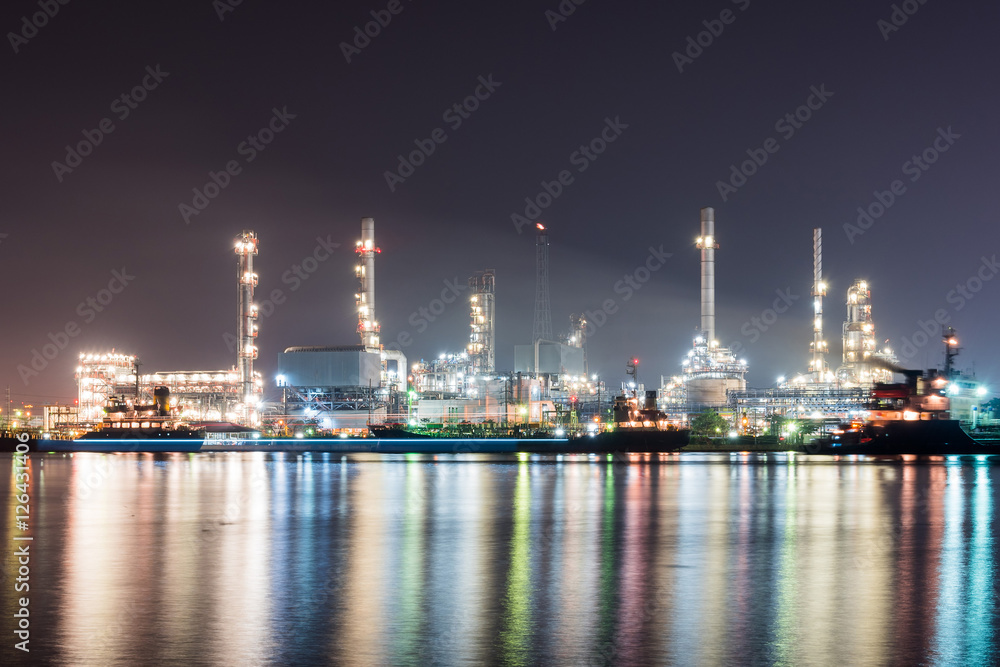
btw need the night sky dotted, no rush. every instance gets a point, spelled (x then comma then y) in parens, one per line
(885, 96)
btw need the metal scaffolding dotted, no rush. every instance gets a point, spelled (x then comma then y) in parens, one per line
(368, 327)
(482, 350)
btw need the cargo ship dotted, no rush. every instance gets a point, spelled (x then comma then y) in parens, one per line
(911, 418)
(133, 427)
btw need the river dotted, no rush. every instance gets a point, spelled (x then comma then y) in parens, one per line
(712, 559)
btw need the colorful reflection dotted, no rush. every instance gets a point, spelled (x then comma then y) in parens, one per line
(297, 559)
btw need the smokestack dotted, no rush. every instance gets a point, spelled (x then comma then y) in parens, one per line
(708, 246)
(368, 327)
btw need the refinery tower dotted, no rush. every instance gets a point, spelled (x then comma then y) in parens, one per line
(860, 345)
(710, 370)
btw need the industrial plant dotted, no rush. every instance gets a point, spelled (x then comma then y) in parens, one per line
(345, 387)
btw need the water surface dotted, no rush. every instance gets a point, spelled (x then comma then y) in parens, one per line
(254, 559)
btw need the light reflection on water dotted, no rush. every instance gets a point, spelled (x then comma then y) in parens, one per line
(419, 560)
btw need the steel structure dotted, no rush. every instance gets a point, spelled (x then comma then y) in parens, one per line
(808, 403)
(817, 349)
(368, 327)
(449, 376)
(246, 250)
(543, 308)
(482, 347)
(99, 377)
(209, 395)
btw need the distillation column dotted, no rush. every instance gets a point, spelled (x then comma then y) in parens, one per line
(246, 249)
(817, 365)
(482, 322)
(368, 328)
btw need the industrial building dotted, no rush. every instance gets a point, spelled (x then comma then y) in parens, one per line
(335, 388)
(819, 394)
(343, 388)
(549, 381)
(195, 396)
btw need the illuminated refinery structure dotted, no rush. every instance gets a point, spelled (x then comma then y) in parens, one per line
(366, 250)
(233, 395)
(344, 388)
(194, 396)
(246, 334)
(819, 372)
(819, 394)
(482, 337)
(450, 376)
(101, 377)
(860, 347)
(710, 371)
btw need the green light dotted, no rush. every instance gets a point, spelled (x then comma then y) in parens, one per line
(516, 630)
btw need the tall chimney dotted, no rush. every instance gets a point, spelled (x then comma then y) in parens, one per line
(368, 327)
(708, 246)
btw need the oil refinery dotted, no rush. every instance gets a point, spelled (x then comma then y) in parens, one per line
(347, 386)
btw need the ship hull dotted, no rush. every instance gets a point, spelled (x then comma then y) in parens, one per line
(943, 437)
(603, 443)
(127, 445)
